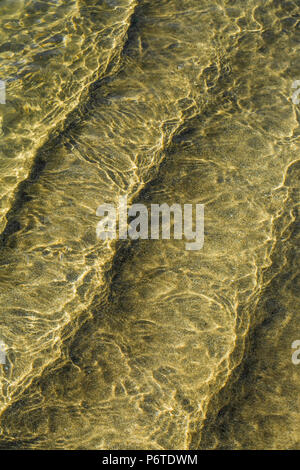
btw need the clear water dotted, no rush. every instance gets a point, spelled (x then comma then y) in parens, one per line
(144, 345)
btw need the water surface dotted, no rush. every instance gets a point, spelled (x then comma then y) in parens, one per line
(144, 345)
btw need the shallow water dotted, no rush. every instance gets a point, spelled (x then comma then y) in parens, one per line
(144, 345)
